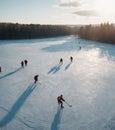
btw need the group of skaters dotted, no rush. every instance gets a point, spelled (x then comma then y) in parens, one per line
(24, 63)
(61, 60)
(60, 98)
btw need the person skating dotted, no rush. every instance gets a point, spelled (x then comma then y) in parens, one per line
(60, 100)
(26, 62)
(36, 78)
(61, 61)
(22, 64)
(71, 59)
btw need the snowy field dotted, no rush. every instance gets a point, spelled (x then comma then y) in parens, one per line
(88, 84)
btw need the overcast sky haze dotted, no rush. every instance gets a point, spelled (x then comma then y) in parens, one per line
(57, 11)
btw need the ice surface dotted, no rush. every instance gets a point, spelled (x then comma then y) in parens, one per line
(88, 84)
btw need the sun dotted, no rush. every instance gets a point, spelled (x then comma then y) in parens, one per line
(105, 7)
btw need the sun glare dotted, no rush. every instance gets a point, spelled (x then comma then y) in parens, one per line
(105, 7)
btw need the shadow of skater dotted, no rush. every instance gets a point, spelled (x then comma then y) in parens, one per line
(55, 69)
(57, 119)
(52, 69)
(17, 105)
(67, 66)
(11, 73)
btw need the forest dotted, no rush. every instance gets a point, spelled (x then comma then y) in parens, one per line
(104, 32)
(29, 31)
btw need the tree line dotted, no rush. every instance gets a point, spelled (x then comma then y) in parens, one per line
(28, 31)
(104, 32)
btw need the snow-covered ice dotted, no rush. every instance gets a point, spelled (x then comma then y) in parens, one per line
(88, 84)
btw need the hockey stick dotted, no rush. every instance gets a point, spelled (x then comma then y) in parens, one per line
(68, 104)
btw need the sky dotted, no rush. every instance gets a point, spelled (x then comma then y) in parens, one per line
(57, 11)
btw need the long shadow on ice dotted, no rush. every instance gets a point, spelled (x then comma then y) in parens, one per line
(68, 65)
(21, 120)
(52, 69)
(68, 45)
(57, 119)
(55, 69)
(10, 73)
(17, 105)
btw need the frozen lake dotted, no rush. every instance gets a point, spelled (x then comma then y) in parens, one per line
(88, 84)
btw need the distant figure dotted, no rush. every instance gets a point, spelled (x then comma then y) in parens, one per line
(0, 69)
(60, 100)
(61, 61)
(22, 64)
(26, 62)
(80, 47)
(71, 59)
(36, 78)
